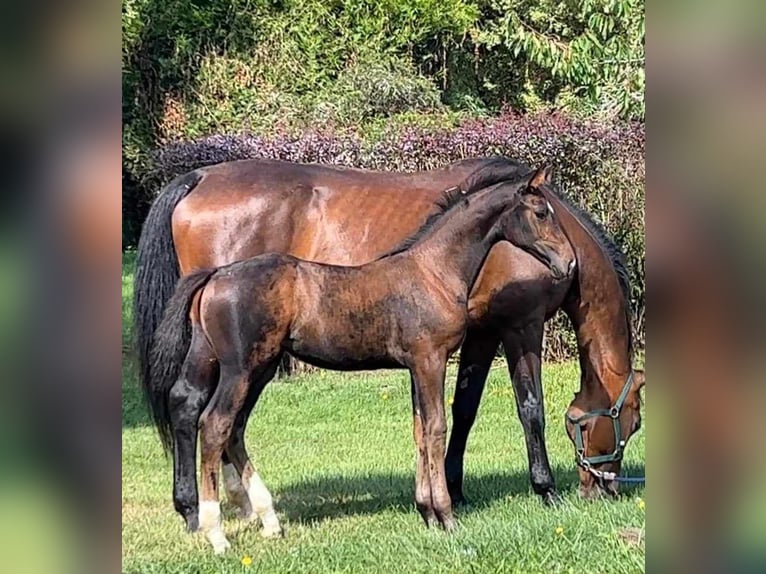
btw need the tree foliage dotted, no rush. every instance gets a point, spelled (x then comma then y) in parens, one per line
(592, 51)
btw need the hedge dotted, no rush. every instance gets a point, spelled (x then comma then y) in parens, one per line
(597, 164)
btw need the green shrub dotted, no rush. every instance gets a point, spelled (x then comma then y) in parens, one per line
(369, 89)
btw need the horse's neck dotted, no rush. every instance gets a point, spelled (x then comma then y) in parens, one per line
(458, 245)
(598, 311)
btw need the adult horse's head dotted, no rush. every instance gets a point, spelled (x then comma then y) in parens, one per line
(600, 427)
(530, 224)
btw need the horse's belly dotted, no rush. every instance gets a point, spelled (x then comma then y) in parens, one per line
(338, 356)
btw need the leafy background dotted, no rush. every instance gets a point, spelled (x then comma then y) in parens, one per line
(393, 84)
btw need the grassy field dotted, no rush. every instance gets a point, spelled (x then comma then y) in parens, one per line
(336, 451)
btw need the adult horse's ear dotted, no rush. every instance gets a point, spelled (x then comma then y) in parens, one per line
(639, 379)
(541, 176)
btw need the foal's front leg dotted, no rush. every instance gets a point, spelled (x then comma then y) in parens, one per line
(422, 479)
(428, 374)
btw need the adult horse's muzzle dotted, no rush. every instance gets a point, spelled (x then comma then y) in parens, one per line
(575, 423)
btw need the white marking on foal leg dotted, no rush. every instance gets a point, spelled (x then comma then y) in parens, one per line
(210, 524)
(236, 493)
(260, 498)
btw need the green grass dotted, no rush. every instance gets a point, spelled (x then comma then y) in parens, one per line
(336, 451)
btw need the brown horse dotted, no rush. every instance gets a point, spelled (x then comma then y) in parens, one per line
(231, 211)
(407, 309)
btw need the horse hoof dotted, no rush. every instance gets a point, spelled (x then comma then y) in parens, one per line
(273, 532)
(460, 500)
(246, 515)
(192, 523)
(449, 525)
(551, 498)
(218, 541)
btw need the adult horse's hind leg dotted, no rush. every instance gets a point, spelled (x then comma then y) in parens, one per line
(241, 469)
(187, 398)
(475, 359)
(523, 349)
(428, 373)
(422, 481)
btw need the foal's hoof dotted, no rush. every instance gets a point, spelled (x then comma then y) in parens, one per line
(246, 515)
(273, 532)
(427, 514)
(218, 541)
(219, 549)
(449, 524)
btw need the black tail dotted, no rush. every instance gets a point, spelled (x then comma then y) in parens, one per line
(168, 352)
(156, 269)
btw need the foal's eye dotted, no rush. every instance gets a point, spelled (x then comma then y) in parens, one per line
(541, 213)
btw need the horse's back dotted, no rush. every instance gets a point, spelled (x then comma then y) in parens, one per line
(315, 212)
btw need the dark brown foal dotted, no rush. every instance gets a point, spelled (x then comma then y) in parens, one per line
(407, 309)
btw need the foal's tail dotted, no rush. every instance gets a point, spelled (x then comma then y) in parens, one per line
(168, 352)
(156, 269)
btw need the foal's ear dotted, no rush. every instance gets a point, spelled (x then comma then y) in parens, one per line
(541, 176)
(639, 379)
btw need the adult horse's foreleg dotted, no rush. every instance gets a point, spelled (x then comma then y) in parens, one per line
(523, 349)
(216, 423)
(186, 400)
(428, 374)
(422, 480)
(238, 468)
(475, 359)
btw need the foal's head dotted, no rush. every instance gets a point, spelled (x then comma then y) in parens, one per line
(530, 224)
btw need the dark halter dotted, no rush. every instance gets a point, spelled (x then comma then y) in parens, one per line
(587, 462)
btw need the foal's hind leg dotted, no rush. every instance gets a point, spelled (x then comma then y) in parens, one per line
(422, 481)
(257, 496)
(215, 424)
(236, 488)
(186, 401)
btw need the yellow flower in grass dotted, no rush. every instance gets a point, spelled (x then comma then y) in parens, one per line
(384, 396)
(640, 503)
(451, 400)
(559, 530)
(246, 561)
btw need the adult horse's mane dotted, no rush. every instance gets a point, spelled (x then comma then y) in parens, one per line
(612, 251)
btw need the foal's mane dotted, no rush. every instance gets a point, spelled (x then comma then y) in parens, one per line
(493, 171)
